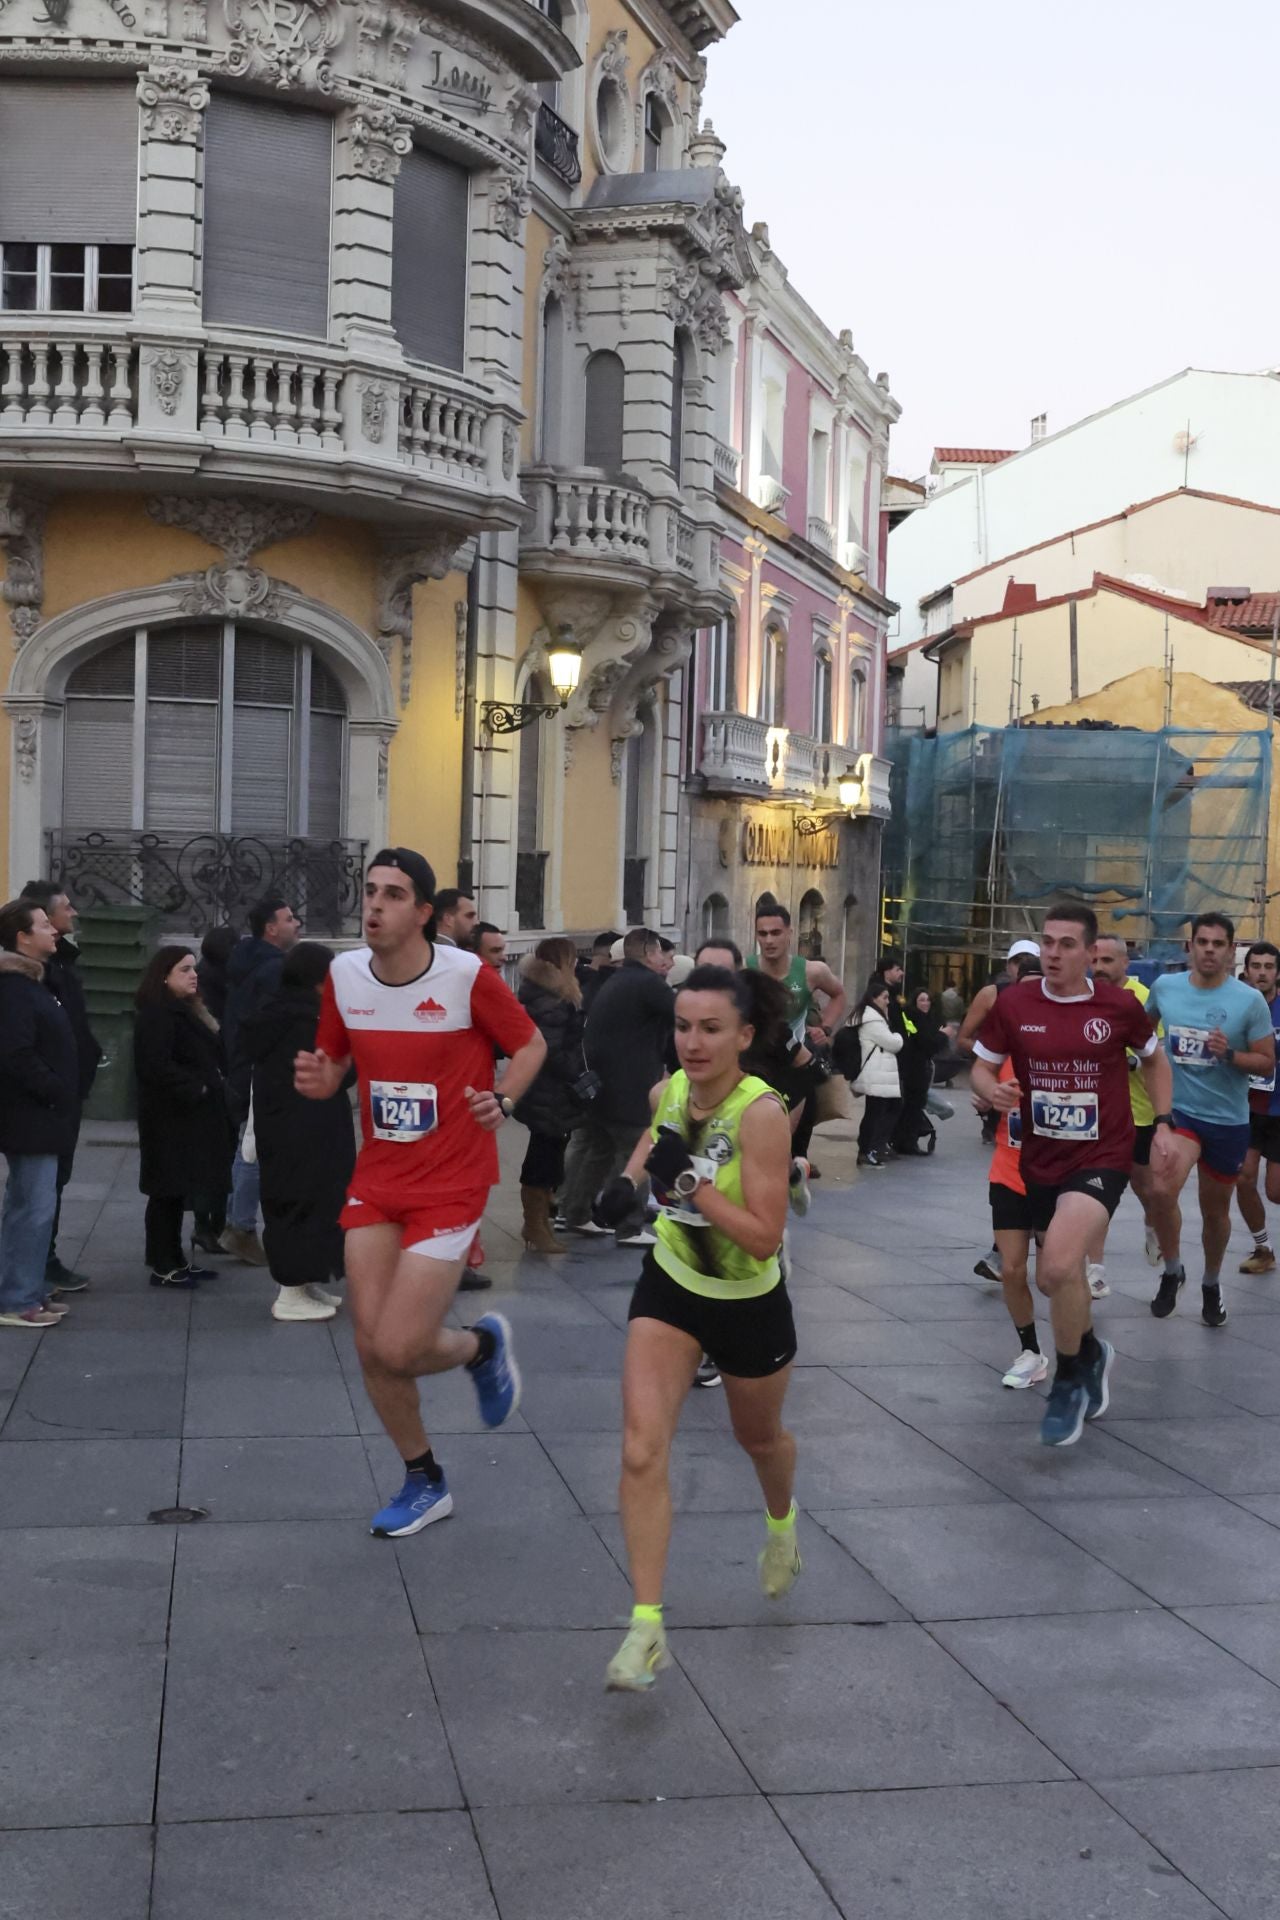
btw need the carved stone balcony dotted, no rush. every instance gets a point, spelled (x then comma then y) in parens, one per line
(728, 464)
(315, 423)
(822, 535)
(748, 756)
(587, 528)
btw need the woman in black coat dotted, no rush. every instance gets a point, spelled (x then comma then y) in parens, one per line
(551, 996)
(306, 1148)
(183, 1130)
(924, 1040)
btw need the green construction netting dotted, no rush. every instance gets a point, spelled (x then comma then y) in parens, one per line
(990, 827)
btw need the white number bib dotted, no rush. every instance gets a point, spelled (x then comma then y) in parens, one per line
(402, 1110)
(688, 1216)
(1263, 1082)
(1065, 1116)
(1015, 1127)
(1189, 1046)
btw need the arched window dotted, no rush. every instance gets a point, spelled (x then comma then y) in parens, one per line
(809, 929)
(679, 376)
(773, 677)
(721, 687)
(551, 373)
(715, 917)
(531, 856)
(205, 728)
(858, 709)
(822, 694)
(605, 384)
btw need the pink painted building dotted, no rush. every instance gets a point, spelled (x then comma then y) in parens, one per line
(788, 690)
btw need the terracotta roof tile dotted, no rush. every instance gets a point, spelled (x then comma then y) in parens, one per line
(973, 456)
(1254, 614)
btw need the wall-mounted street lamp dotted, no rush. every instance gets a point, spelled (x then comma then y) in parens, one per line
(849, 790)
(564, 666)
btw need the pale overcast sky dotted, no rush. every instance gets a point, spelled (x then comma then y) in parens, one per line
(1018, 208)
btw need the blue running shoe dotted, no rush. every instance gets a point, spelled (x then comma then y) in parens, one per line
(1095, 1382)
(418, 1503)
(497, 1382)
(1065, 1413)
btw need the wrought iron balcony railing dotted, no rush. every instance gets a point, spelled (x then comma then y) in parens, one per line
(556, 143)
(212, 879)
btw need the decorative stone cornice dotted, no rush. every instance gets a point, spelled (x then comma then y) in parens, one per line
(283, 41)
(236, 590)
(173, 99)
(562, 279)
(399, 571)
(379, 141)
(510, 200)
(22, 517)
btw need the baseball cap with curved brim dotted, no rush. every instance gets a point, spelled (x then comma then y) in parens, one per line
(1023, 946)
(412, 865)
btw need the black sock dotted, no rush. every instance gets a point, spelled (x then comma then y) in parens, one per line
(1089, 1348)
(1027, 1335)
(1068, 1367)
(488, 1347)
(426, 1464)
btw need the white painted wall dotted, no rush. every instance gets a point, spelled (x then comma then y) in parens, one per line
(1097, 467)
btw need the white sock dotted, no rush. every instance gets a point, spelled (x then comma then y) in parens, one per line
(1262, 1240)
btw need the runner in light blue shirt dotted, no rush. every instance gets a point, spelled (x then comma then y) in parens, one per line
(1217, 1033)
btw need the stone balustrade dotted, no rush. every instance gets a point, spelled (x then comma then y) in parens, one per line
(822, 535)
(55, 379)
(728, 463)
(584, 514)
(740, 753)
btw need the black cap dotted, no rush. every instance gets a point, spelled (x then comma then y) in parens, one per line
(414, 866)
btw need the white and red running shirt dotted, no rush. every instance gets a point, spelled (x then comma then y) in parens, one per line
(1070, 1059)
(416, 1049)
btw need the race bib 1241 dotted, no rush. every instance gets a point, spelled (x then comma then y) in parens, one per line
(1065, 1116)
(402, 1110)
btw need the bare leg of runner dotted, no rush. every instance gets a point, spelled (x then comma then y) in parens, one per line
(657, 1374)
(1166, 1218)
(1079, 1389)
(755, 1407)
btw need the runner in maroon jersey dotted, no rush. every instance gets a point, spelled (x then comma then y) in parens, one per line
(1067, 1037)
(420, 1022)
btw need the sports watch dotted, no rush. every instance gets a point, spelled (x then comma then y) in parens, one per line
(507, 1104)
(1165, 1120)
(686, 1184)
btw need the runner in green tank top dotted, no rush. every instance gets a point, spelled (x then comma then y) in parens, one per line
(717, 1157)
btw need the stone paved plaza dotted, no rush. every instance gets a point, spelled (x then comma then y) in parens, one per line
(1012, 1684)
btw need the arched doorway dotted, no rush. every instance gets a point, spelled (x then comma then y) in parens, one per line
(809, 929)
(204, 765)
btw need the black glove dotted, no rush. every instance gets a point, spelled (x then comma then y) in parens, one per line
(613, 1203)
(668, 1159)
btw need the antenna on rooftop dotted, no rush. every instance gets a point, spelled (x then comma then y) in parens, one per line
(1183, 443)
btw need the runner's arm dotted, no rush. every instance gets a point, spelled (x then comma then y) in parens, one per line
(319, 1075)
(1258, 1057)
(819, 977)
(757, 1226)
(1003, 1095)
(1157, 1078)
(983, 1001)
(523, 1069)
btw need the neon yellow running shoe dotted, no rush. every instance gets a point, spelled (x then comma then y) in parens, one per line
(780, 1561)
(642, 1655)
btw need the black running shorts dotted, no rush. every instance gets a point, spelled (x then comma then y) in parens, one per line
(1106, 1184)
(748, 1339)
(1264, 1134)
(1142, 1138)
(1010, 1211)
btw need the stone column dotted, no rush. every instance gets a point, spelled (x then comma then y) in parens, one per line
(371, 143)
(172, 99)
(500, 203)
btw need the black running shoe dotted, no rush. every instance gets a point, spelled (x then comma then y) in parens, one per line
(708, 1374)
(1213, 1310)
(1171, 1285)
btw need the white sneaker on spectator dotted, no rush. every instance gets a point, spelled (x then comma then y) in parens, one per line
(1028, 1370)
(296, 1303)
(1096, 1274)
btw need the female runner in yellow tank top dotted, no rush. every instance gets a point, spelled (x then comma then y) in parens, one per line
(718, 1158)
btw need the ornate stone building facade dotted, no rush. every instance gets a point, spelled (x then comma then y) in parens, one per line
(352, 354)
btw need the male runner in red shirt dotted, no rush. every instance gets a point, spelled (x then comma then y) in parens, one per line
(420, 1022)
(1067, 1037)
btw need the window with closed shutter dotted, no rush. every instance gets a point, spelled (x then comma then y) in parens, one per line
(429, 258)
(324, 795)
(97, 749)
(605, 381)
(268, 190)
(68, 161)
(181, 767)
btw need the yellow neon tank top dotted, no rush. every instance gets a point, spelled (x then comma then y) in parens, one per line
(700, 1257)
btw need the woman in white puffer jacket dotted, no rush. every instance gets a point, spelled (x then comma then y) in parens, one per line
(878, 1076)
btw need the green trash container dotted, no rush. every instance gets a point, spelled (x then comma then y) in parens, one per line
(115, 944)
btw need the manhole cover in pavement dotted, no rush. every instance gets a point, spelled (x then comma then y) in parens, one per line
(177, 1516)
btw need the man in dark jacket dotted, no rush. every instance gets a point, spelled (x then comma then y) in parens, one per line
(593, 973)
(253, 978)
(62, 974)
(39, 1109)
(628, 1044)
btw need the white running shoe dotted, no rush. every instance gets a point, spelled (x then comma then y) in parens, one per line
(325, 1295)
(642, 1239)
(296, 1303)
(798, 1191)
(1028, 1370)
(1096, 1274)
(1151, 1247)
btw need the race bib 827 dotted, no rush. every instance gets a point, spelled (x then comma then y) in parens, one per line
(1189, 1046)
(402, 1110)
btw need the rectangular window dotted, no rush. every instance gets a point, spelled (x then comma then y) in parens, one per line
(822, 697)
(70, 166)
(65, 278)
(268, 191)
(429, 258)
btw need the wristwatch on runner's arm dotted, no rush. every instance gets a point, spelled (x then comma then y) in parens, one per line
(507, 1104)
(1165, 1120)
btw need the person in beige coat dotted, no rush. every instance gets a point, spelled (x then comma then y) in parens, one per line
(877, 1078)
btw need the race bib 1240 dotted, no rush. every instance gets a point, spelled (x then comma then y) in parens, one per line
(402, 1110)
(1065, 1116)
